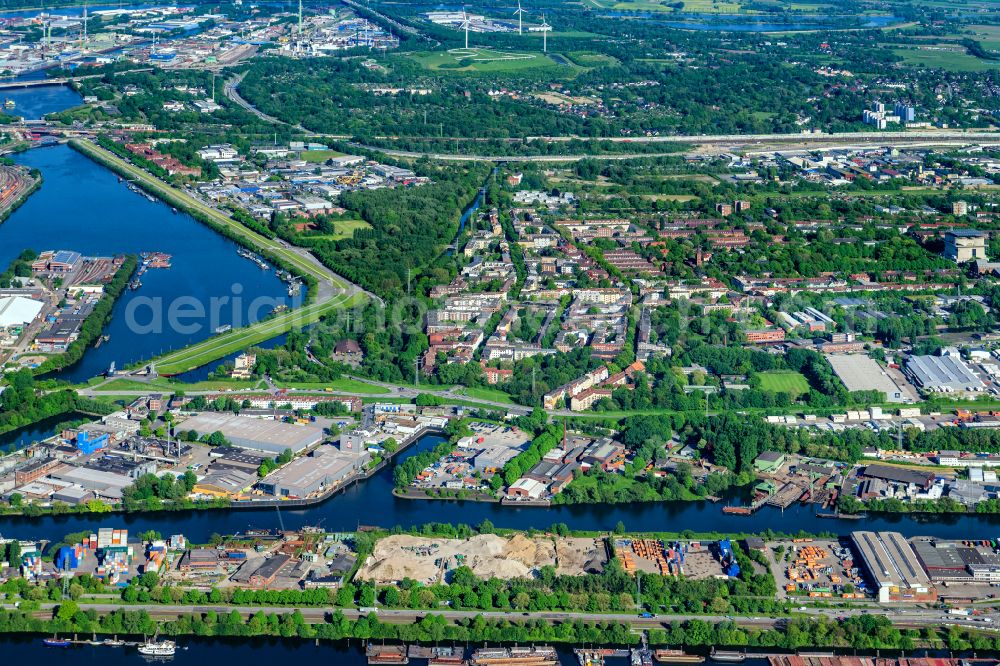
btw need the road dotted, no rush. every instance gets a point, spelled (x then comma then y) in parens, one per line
(903, 617)
(332, 291)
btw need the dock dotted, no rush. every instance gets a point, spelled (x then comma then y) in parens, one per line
(786, 496)
(387, 654)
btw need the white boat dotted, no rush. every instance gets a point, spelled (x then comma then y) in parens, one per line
(224, 328)
(158, 649)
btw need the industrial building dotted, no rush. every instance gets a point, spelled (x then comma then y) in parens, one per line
(106, 485)
(958, 561)
(18, 311)
(861, 373)
(892, 566)
(947, 373)
(311, 474)
(263, 575)
(270, 436)
(226, 482)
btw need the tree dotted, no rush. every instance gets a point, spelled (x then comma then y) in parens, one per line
(66, 610)
(14, 553)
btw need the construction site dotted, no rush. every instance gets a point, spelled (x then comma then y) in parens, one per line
(429, 560)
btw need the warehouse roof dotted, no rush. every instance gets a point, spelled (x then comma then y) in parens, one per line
(324, 465)
(251, 433)
(943, 372)
(890, 559)
(898, 474)
(18, 310)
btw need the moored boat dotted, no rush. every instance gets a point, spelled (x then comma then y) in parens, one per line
(158, 648)
(677, 657)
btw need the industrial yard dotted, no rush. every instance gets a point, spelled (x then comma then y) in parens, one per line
(428, 560)
(820, 568)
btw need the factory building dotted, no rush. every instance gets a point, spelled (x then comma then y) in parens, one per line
(958, 561)
(892, 566)
(272, 437)
(311, 474)
(946, 374)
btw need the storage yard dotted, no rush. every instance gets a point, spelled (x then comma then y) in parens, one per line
(692, 559)
(815, 569)
(428, 560)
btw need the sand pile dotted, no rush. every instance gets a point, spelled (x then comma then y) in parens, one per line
(489, 556)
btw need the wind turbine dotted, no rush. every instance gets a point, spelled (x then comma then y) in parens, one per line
(545, 27)
(465, 26)
(519, 12)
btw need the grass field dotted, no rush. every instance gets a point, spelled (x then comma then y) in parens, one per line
(954, 59)
(590, 59)
(342, 385)
(319, 155)
(988, 35)
(492, 395)
(123, 384)
(343, 229)
(477, 59)
(780, 381)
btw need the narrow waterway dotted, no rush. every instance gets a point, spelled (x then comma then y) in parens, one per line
(36, 432)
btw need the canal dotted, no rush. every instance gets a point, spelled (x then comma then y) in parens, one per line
(371, 502)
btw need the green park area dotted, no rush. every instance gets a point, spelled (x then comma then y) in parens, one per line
(341, 229)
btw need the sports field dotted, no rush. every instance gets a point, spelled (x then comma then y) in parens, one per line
(784, 381)
(319, 155)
